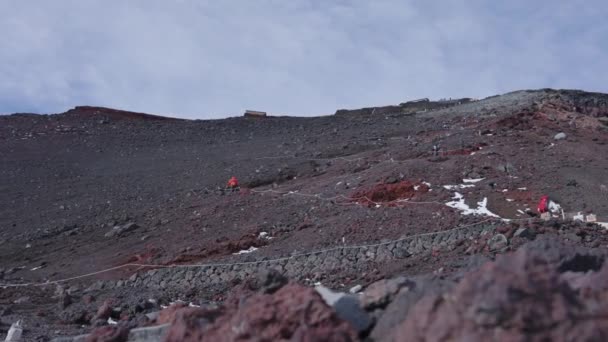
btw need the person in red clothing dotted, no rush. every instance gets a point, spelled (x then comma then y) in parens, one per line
(543, 205)
(233, 183)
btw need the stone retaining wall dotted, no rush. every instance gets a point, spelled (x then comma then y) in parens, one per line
(301, 266)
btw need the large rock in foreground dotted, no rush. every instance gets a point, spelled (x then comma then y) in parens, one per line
(533, 294)
(294, 312)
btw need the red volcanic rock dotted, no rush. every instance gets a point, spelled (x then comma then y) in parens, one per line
(518, 297)
(168, 315)
(105, 310)
(294, 312)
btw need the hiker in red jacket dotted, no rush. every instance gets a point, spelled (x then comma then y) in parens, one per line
(543, 205)
(233, 184)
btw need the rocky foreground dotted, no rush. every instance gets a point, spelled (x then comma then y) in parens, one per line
(550, 288)
(409, 222)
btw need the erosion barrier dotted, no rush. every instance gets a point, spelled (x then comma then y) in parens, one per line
(302, 265)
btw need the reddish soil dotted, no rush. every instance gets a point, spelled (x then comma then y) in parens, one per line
(389, 193)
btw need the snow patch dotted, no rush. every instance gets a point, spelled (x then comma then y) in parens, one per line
(245, 251)
(522, 189)
(427, 184)
(481, 209)
(264, 235)
(460, 186)
(510, 200)
(475, 180)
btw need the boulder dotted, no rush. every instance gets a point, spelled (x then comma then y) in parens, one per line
(526, 295)
(398, 309)
(330, 297)
(525, 233)
(560, 136)
(149, 334)
(349, 309)
(380, 293)
(293, 312)
(498, 242)
(270, 280)
(109, 333)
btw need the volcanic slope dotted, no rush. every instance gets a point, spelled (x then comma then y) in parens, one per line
(95, 188)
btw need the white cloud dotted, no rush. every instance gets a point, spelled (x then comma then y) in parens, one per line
(216, 58)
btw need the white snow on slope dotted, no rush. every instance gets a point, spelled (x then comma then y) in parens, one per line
(481, 209)
(245, 251)
(460, 186)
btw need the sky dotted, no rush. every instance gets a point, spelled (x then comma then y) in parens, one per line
(204, 59)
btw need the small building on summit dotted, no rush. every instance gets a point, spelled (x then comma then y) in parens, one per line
(255, 114)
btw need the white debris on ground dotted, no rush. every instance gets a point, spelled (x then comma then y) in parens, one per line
(111, 321)
(472, 180)
(14, 332)
(460, 186)
(579, 217)
(427, 184)
(510, 200)
(466, 210)
(355, 289)
(264, 235)
(245, 251)
(522, 189)
(554, 207)
(330, 297)
(178, 301)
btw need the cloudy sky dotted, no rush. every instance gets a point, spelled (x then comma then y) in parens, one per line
(211, 58)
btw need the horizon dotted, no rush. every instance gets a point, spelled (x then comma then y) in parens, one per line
(288, 115)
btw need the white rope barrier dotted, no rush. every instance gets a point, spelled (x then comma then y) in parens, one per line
(350, 200)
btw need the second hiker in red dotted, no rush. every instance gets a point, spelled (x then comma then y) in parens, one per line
(233, 183)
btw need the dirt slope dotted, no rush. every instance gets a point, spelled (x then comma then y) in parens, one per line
(95, 188)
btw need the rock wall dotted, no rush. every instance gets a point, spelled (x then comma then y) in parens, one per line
(299, 267)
